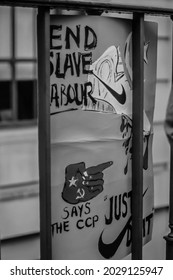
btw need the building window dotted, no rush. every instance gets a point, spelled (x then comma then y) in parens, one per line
(18, 73)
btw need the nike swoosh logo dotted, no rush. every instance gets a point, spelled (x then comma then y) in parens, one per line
(121, 98)
(108, 250)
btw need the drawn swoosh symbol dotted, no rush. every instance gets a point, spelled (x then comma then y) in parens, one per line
(109, 249)
(121, 98)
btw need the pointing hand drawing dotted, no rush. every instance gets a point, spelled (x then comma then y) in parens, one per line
(83, 184)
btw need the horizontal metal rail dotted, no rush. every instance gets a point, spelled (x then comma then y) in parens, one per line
(94, 4)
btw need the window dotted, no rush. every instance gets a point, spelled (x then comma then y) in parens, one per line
(18, 78)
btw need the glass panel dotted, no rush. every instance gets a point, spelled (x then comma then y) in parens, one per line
(25, 33)
(5, 71)
(26, 99)
(25, 71)
(5, 101)
(5, 29)
(5, 95)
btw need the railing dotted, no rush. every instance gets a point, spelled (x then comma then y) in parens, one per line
(138, 88)
(128, 6)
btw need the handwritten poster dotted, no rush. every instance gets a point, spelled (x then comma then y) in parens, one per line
(91, 135)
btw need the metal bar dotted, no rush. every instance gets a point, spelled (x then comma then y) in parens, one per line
(43, 25)
(137, 132)
(169, 237)
(14, 98)
(94, 4)
(34, 38)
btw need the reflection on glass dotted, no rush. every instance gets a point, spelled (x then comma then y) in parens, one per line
(5, 29)
(25, 71)
(5, 104)
(25, 27)
(5, 71)
(26, 97)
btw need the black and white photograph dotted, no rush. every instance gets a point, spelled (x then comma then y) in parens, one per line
(86, 136)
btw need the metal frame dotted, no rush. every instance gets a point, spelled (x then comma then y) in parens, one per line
(92, 4)
(169, 237)
(137, 132)
(44, 130)
(44, 114)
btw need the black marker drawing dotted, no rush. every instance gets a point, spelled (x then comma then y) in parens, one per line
(110, 84)
(127, 56)
(126, 130)
(120, 97)
(108, 250)
(83, 184)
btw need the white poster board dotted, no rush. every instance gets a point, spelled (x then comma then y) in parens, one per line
(91, 135)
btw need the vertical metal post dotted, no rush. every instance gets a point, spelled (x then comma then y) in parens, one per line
(137, 132)
(169, 237)
(13, 65)
(43, 25)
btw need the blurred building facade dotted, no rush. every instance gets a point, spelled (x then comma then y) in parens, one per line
(19, 178)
